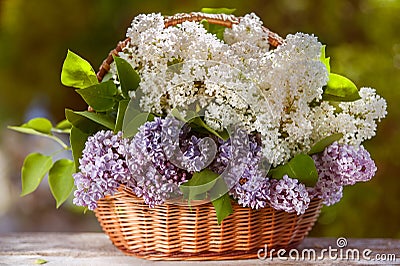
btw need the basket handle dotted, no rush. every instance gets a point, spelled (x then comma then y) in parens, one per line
(218, 19)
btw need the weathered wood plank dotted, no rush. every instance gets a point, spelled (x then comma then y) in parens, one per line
(96, 249)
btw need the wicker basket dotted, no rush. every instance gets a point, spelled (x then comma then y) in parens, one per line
(176, 232)
(179, 232)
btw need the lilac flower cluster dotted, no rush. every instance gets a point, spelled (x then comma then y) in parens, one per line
(341, 165)
(102, 168)
(237, 161)
(289, 195)
(252, 188)
(186, 151)
(163, 155)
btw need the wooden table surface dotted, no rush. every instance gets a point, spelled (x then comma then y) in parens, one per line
(96, 249)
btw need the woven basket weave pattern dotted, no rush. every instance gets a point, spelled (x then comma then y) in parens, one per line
(171, 232)
(179, 232)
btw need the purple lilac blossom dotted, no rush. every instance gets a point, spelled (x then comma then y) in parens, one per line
(102, 168)
(186, 151)
(341, 165)
(163, 155)
(327, 190)
(238, 161)
(289, 195)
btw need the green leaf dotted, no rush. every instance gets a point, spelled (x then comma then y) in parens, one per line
(337, 107)
(127, 76)
(217, 30)
(78, 139)
(221, 10)
(201, 182)
(40, 261)
(85, 124)
(101, 119)
(64, 125)
(61, 181)
(133, 117)
(33, 128)
(325, 60)
(340, 89)
(175, 112)
(325, 142)
(197, 121)
(130, 128)
(300, 167)
(107, 77)
(39, 124)
(123, 104)
(77, 72)
(223, 207)
(100, 96)
(35, 167)
(27, 131)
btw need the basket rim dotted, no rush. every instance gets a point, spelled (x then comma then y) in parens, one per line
(193, 203)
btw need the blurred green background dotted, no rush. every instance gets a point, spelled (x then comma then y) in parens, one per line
(363, 41)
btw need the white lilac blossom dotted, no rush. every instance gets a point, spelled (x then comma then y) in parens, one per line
(357, 121)
(241, 81)
(102, 168)
(249, 30)
(289, 195)
(365, 113)
(341, 165)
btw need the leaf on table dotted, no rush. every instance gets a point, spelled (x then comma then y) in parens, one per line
(40, 261)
